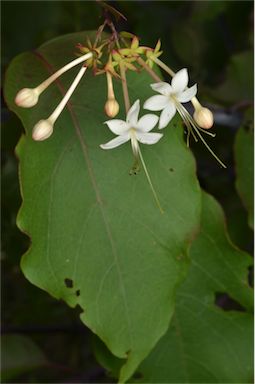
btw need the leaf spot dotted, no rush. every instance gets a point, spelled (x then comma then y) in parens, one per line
(78, 292)
(225, 302)
(138, 375)
(68, 283)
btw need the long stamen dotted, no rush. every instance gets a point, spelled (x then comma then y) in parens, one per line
(149, 180)
(190, 131)
(209, 149)
(191, 124)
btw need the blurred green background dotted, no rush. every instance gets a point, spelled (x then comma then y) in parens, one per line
(43, 340)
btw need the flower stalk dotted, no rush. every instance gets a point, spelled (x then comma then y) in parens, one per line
(124, 86)
(44, 128)
(148, 69)
(28, 97)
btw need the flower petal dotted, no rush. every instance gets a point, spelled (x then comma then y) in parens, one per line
(187, 95)
(132, 115)
(156, 103)
(163, 88)
(166, 115)
(147, 122)
(117, 126)
(180, 81)
(115, 142)
(148, 138)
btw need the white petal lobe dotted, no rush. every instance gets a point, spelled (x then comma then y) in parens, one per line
(187, 95)
(147, 123)
(132, 115)
(156, 103)
(180, 81)
(163, 88)
(119, 127)
(149, 138)
(166, 115)
(115, 142)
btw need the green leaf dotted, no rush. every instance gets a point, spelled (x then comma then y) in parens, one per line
(105, 358)
(19, 355)
(238, 85)
(244, 152)
(206, 344)
(98, 239)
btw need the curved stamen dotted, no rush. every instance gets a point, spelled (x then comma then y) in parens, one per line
(190, 123)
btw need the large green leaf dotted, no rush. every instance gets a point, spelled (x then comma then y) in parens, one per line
(97, 238)
(204, 343)
(244, 157)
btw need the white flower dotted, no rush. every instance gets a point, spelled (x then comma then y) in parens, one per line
(133, 129)
(136, 131)
(171, 97)
(170, 100)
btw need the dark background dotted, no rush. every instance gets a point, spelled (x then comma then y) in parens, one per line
(214, 40)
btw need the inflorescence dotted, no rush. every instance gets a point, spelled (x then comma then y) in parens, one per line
(124, 53)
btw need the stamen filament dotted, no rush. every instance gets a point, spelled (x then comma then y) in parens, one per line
(187, 122)
(209, 149)
(53, 117)
(149, 180)
(191, 124)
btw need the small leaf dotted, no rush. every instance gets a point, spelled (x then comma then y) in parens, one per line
(93, 224)
(244, 158)
(19, 355)
(205, 343)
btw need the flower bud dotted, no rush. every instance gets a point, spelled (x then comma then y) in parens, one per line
(42, 130)
(27, 97)
(203, 117)
(111, 107)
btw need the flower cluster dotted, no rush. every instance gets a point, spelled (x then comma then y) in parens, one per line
(123, 53)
